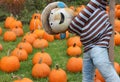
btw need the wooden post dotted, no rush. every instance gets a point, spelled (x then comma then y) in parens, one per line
(112, 18)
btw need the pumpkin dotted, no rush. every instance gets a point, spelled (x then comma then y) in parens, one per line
(74, 50)
(62, 35)
(19, 79)
(29, 38)
(48, 37)
(116, 66)
(57, 75)
(16, 23)
(8, 21)
(39, 32)
(9, 36)
(18, 31)
(40, 43)
(99, 76)
(46, 58)
(35, 23)
(74, 64)
(0, 31)
(74, 39)
(9, 64)
(40, 70)
(117, 38)
(37, 14)
(117, 25)
(25, 45)
(1, 47)
(20, 53)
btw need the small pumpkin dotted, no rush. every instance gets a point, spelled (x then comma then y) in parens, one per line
(9, 36)
(37, 14)
(117, 25)
(8, 21)
(29, 38)
(99, 76)
(35, 23)
(25, 45)
(74, 64)
(1, 47)
(39, 32)
(117, 38)
(48, 37)
(57, 75)
(18, 31)
(0, 31)
(20, 79)
(16, 23)
(74, 39)
(20, 53)
(74, 50)
(40, 43)
(40, 70)
(46, 58)
(9, 64)
(116, 66)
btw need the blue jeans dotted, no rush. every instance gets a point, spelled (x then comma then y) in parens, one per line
(98, 58)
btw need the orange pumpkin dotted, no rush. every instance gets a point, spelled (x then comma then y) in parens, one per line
(29, 38)
(117, 38)
(9, 36)
(18, 31)
(9, 64)
(57, 75)
(20, 53)
(39, 32)
(16, 23)
(117, 25)
(8, 21)
(0, 31)
(40, 70)
(74, 50)
(46, 58)
(75, 64)
(48, 37)
(19, 79)
(72, 40)
(1, 47)
(116, 66)
(25, 45)
(99, 76)
(37, 14)
(40, 43)
(35, 23)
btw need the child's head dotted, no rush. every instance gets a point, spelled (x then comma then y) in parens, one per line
(56, 17)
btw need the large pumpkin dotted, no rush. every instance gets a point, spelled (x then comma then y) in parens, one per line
(57, 75)
(9, 64)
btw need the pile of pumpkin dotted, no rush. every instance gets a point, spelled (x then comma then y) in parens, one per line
(42, 61)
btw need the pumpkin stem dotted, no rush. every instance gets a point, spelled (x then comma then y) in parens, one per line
(40, 61)
(74, 44)
(18, 77)
(24, 40)
(57, 66)
(42, 50)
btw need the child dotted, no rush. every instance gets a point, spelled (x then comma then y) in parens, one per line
(93, 26)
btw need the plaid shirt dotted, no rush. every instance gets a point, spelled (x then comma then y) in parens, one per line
(92, 25)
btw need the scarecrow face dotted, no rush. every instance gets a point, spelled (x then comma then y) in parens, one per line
(60, 19)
